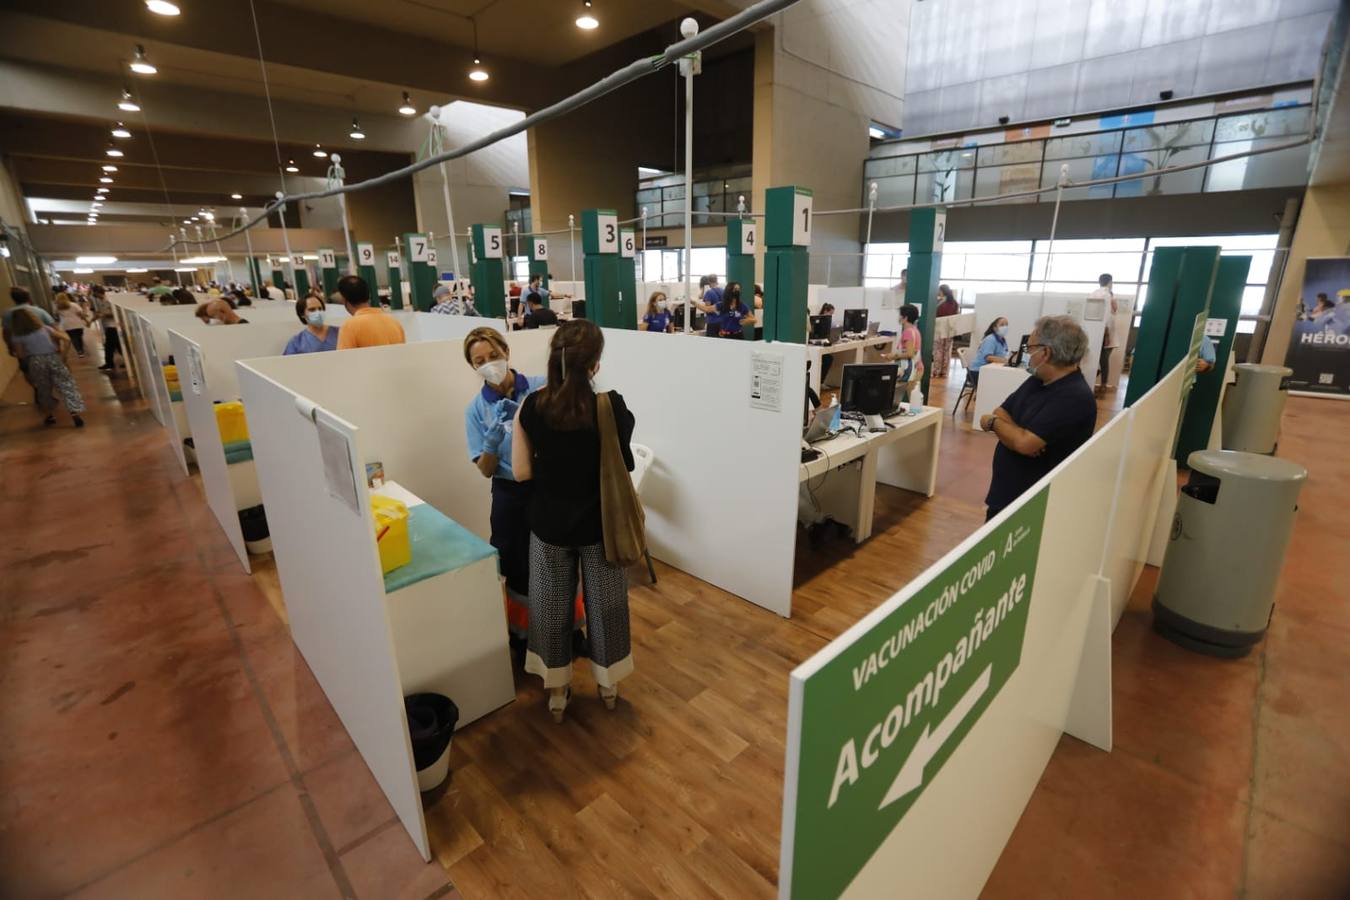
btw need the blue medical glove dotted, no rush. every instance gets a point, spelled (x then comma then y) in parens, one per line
(493, 437)
(506, 409)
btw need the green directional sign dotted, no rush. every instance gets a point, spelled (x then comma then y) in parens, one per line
(877, 721)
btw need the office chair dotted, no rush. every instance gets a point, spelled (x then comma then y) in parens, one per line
(971, 382)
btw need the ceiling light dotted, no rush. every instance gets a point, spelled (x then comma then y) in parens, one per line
(95, 260)
(356, 133)
(127, 104)
(110, 168)
(477, 73)
(105, 180)
(319, 152)
(185, 269)
(102, 191)
(83, 271)
(407, 108)
(236, 196)
(136, 271)
(162, 7)
(114, 152)
(291, 166)
(587, 20)
(140, 65)
(121, 132)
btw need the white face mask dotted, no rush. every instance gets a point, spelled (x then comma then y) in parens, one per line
(315, 317)
(661, 306)
(494, 372)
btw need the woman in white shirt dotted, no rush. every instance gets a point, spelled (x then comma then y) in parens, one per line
(72, 319)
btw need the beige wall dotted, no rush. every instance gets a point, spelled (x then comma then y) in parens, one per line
(1323, 230)
(12, 214)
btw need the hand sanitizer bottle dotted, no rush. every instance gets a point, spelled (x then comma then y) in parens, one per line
(916, 401)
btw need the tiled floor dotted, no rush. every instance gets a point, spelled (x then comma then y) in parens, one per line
(161, 737)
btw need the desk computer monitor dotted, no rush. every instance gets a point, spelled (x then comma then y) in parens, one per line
(578, 309)
(820, 329)
(855, 321)
(869, 388)
(1020, 354)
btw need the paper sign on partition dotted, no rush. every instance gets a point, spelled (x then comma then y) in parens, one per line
(196, 376)
(876, 723)
(766, 380)
(337, 462)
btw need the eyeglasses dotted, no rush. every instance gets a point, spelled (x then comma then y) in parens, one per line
(1031, 347)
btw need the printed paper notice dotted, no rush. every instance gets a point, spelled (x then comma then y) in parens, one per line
(195, 375)
(337, 464)
(766, 381)
(1215, 327)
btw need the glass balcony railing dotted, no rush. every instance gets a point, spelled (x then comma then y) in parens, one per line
(991, 170)
(663, 197)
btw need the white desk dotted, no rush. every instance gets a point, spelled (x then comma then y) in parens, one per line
(849, 351)
(906, 457)
(996, 385)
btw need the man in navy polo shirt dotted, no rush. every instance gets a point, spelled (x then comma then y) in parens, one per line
(1045, 420)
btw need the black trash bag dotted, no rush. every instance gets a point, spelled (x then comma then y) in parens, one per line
(431, 724)
(253, 522)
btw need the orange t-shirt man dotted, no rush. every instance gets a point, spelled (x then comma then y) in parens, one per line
(368, 326)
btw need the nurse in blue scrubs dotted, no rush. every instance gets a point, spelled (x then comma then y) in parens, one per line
(732, 314)
(318, 335)
(487, 431)
(657, 317)
(993, 346)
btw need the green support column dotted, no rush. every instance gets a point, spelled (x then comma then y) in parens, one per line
(787, 235)
(1179, 288)
(395, 264)
(927, 231)
(600, 250)
(486, 272)
(626, 311)
(365, 266)
(255, 271)
(421, 278)
(328, 271)
(741, 242)
(1225, 304)
(278, 272)
(301, 275)
(539, 259)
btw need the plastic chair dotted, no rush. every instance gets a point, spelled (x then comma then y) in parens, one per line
(643, 457)
(972, 378)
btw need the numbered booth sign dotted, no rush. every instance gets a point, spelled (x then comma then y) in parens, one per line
(599, 232)
(365, 254)
(298, 261)
(393, 259)
(787, 217)
(939, 231)
(431, 257)
(417, 248)
(492, 243)
(327, 258)
(627, 244)
(539, 249)
(747, 238)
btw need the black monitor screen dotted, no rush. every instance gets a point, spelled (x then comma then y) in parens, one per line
(578, 309)
(855, 321)
(869, 388)
(820, 328)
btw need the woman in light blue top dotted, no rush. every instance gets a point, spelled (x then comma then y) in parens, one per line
(317, 336)
(994, 346)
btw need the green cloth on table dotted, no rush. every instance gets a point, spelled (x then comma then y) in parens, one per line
(439, 545)
(237, 452)
(176, 396)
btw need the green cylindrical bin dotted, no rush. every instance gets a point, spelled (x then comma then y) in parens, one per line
(1253, 406)
(1233, 523)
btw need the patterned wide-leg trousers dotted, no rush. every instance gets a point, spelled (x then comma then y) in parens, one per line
(553, 591)
(48, 372)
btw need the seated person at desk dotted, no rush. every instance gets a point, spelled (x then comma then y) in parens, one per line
(449, 305)
(993, 347)
(908, 350)
(656, 318)
(368, 326)
(1050, 416)
(539, 315)
(317, 336)
(488, 423)
(219, 312)
(732, 314)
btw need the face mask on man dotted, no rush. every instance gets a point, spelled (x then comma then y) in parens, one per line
(315, 317)
(494, 372)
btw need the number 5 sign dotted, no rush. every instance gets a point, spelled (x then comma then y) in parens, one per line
(492, 243)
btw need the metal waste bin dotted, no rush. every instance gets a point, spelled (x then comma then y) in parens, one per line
(1233, 523)
(1252, 407)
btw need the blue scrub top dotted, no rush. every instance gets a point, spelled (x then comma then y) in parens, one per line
(1207, 350)
(482, 412)
(657, 321)
(306, 342)
(992, 345)
(730, 323)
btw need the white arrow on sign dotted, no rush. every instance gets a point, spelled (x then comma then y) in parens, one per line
(910, 776)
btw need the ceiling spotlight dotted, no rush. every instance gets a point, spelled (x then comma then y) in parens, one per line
(127, 104)
(407, 108)
(236, 196)
(291, 166)
(356, 133)
(477, 73)
(140, 65)
(114, 152)
(95, 260)
(103, 190)
(162, 7)
(319, 152)
(587, 20)
(121, 131)
(110, 168)
(105, 180)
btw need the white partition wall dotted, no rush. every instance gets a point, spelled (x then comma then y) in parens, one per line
(882, 304)
(721, 497)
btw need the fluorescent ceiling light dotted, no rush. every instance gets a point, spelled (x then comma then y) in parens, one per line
(83, 271)
(587, 20)
(319, 152)
(115, 153)
(120, 131)
(140, 65)
(105, 180)
(311, 256)
(407, 108)
(185, 269)
(127, 104)
(291, 166)
(875, 132)
(136, 271)
(95, 260)
(236, 196)
(162, 7)
(356, 133)
(110, 168)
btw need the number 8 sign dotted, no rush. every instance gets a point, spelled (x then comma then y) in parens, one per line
(540, 249)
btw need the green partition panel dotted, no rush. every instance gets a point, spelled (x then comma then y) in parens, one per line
(1179, 286)
(395, 263)
(539, 259)
(278, 273)
(1225, 305)
(927, 231)
(626, 309)
(328, 271)
(255, 271)
(741, 243)
(421, 275)
(301, 274)
(486, 271)
(787, 267)
(600, 254)
(365, 266)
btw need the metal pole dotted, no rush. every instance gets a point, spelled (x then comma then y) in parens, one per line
(248, 242)
(336, 174)
(871, 208)
(178, 276)
(439, 132)
(1054, 224)
(286, 240)
(229, 266)
(572, 245)
(688, 65)
(644, 243)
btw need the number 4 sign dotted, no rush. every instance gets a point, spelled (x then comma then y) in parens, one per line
(747, 239)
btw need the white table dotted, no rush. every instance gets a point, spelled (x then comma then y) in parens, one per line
(846, 351)
(996, 384)
(843, 479)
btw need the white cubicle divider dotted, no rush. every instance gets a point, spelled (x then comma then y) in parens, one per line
(429, 326)
(206, 358)
(1023, 308)
(723, 460)
(916, 738)
(882, 304)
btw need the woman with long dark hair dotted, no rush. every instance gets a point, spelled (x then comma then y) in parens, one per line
(557, 447)
(732, 314)
(942, 346)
